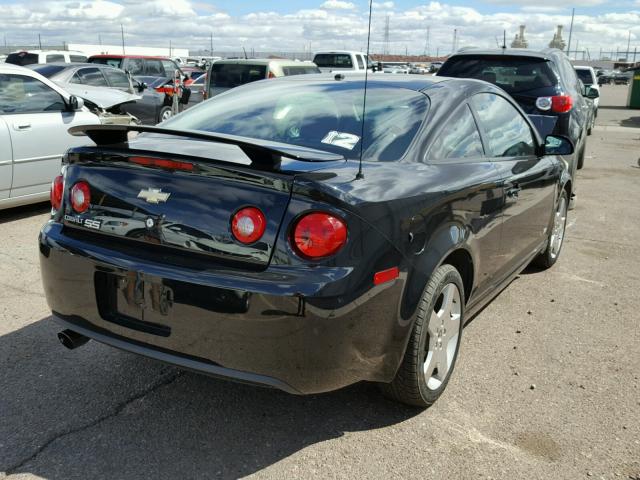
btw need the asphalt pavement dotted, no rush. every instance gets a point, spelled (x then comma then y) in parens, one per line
(546, 387)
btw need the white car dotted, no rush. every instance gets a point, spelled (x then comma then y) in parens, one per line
(588, 77)
(28, 57)
(35, 115)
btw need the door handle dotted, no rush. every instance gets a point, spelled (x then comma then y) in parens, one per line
(514, 191)
(21, 126)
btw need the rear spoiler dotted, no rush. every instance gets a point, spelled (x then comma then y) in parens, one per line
(260, 152)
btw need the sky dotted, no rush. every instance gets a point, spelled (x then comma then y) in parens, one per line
(312, 25)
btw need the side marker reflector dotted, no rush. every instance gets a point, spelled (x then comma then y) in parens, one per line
(385, 276)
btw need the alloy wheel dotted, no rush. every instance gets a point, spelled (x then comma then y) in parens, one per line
(444, 330)
(559, 221)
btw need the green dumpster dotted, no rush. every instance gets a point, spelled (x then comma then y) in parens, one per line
(634, 90)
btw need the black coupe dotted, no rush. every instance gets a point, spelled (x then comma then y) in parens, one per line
(245, 239)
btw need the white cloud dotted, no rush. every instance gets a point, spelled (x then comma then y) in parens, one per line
(337, 5)
(386, 5)
(190, 24)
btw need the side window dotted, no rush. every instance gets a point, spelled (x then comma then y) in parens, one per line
(92, 76)
(154, 68)
(116, 78)
(135, 66)
(360, 62)
(22, 94)
(458, 139)
(507, 133)
(54, 58)
(78, 58)
(169, 67)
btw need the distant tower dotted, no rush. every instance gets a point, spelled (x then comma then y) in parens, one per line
(520, 41)
(386, 36)
(558, 42)
(427, 49)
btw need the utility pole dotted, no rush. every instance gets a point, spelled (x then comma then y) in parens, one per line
(211, 43)
(122, 34)
(39, 42)
(386, 36)
(455, 39)
(100, 39)
(628, 47)
(573, 11)
(169, 47)
(427, 50)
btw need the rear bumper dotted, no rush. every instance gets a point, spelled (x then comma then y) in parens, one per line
(279, 327)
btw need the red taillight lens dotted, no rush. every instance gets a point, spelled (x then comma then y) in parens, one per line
(561, 103)
(162, 163)
(80, 197)
(55, 195)
(248, 225)
(319, 235)
(271, 75)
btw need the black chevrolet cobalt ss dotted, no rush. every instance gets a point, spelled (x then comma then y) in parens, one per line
(245, 239)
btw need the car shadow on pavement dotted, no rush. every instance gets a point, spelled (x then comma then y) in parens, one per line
(630, 122)
(97, 412)
(18, 213)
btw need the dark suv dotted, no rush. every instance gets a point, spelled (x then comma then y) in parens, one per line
(544, 83)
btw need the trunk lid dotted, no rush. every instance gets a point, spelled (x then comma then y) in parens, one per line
(186, 209)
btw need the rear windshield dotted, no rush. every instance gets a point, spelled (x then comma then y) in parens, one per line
(225, 76)
(49, 70)
(585, 76)
(113, 62)
(300, 70)
(333, 60)
(320, 115)
(22, 58)
(512, 74)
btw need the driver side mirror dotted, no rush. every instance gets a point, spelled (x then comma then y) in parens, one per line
(592, 93)
(558, 145)
(75, 103)
(140, 86)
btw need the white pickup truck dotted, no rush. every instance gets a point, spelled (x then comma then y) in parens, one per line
(343, 61)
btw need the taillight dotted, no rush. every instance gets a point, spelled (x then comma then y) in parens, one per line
(162, 163)
(557, 103)
(80, 196)
(561, 103)
(55, 195)
(271, 75)
(318, 235)
(248, 225)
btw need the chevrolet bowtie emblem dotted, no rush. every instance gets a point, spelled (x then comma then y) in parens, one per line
(153, 195)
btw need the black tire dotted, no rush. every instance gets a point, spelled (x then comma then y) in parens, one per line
(581, 158)
(550, 256)
(163, 112)
(410, 383)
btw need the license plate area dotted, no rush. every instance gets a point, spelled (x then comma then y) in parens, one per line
(133, 301)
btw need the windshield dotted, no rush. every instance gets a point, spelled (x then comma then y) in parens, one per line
(333, 60)
(48, 71)
(230, 75)
(22, 58)
(113, 62)
(585, 76)
(320, 115)
(512, 74)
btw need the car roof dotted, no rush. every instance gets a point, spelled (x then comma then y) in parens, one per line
(546, 53)
(348, 52)
(70, 52)
(411, 82)
(68, 65)
(129, 56)
(264, 61)
(582, 67)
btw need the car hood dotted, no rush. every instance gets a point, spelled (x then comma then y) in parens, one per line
(102, 97)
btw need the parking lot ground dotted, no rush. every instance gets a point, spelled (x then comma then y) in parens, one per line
(547, 384)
